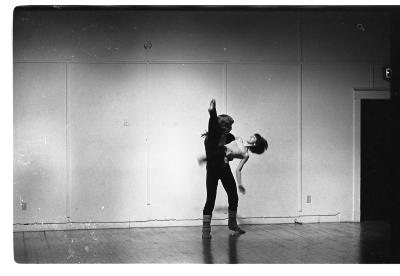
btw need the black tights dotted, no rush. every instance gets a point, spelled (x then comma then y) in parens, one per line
(229, 184)
(217, 169)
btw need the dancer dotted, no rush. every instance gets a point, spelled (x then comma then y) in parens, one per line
(238, 149)
(218, 169)
(216, 151)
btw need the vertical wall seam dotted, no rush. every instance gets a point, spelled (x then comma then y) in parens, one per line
(300, 116)
(67, 144)
(300, 142)
(299, 38)
(147, 131)
(226, 86)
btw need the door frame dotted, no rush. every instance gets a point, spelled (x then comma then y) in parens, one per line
(358, 95)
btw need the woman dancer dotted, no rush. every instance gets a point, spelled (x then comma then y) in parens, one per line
(238, 149)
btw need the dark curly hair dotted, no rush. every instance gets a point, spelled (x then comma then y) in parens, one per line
(260, 146)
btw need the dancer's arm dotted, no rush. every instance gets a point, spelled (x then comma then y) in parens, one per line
(239, 174)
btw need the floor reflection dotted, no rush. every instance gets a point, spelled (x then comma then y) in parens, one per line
(207, 252)
(232, 253)
(232, 248)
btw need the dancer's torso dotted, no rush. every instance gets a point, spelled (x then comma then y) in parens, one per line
(218, 161)
(236, 149)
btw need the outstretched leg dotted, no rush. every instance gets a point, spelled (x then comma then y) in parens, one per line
(214, 130)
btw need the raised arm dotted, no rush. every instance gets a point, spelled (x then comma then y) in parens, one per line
(239, 174)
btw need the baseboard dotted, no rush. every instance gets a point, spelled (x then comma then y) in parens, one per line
(171, 223)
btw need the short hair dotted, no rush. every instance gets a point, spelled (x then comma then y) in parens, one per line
(225, 120)
(260, 146)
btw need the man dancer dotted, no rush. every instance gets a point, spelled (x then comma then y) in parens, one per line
(218, 168)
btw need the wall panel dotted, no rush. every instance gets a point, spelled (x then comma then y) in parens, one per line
(180, 96)
(264, 99)
(39, 143)
(328, 136)
(108, 142)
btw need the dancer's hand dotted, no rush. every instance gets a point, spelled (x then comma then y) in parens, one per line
(242, 189)
(229, 155)
(212, 105)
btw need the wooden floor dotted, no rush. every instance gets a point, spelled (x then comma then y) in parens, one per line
(264, 244)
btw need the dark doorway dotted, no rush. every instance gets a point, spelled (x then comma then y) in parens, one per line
(375, 156)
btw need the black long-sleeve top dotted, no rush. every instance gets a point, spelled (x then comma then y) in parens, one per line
(215, 141)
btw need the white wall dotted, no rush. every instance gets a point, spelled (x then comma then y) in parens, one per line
(123, 124)
(341, 51)
(327, 136)
(264, 99)
(179, 97)
(108, 147)
(39, 142)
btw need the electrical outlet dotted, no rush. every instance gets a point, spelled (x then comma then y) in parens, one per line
(308, 199)
(24, 206)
